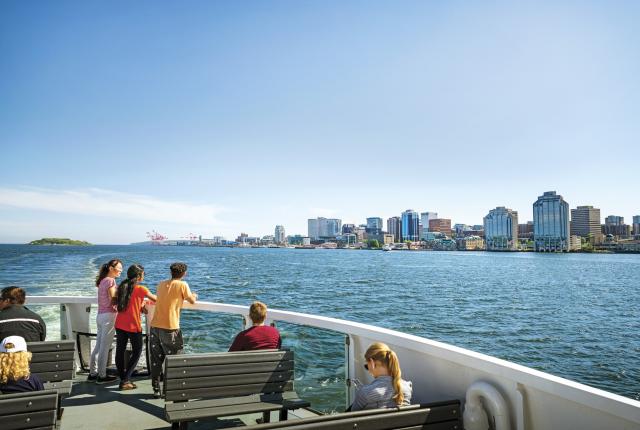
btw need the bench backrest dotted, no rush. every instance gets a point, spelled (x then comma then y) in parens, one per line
(52, 361)
(436, 416)
(35, 409)
(227, 374)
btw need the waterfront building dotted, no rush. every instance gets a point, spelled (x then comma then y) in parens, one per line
(394, 227)
(388, 239)
(470, 243)
(279, 236)
(525, 231)
(374, 226)
(636, 225)
(501, 229)
(425, 217)
(551, 223)
(324, 228)
(348, 228)
(410, 225)
(361, 233)
(585, 222)
(460, 229)
(441, 225)
(614, 224)
(575, 243)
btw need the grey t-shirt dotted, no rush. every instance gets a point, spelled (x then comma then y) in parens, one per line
(379, 394)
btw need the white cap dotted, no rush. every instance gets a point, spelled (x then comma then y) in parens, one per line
(13, 344)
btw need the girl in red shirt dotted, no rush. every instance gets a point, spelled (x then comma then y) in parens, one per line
(130, 303)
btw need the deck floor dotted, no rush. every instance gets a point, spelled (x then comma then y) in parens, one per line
(106, 407)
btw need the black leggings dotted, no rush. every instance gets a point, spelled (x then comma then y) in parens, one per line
(121, 346)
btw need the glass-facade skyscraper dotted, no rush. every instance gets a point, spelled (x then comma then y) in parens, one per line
(374, 225)
(501, 229)
(410, 225)
(551, 223)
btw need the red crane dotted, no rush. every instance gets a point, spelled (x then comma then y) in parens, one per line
(156, 238)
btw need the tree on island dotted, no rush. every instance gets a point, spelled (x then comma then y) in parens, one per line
(373, 243)
(59, 241)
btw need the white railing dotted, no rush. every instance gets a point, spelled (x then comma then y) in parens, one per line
(536, 400)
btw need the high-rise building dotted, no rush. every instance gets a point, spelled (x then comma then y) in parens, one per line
(501, 229)
(525, 231)
(279, 236)
(348, 228)
(636, 224)
(324, 228)
(425, 217)
(410, 225)
(551, 223)
(440, 225)
(614, 224)
(585, 221)
(374, 226)
(394, 227)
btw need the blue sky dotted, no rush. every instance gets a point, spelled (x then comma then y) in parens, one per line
(219, 117)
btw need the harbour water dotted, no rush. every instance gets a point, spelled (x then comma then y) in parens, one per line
(572, 315)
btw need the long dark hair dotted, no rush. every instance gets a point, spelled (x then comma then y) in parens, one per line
(104, 270)
(125, 289)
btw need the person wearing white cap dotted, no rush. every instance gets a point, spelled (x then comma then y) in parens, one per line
(15, 376)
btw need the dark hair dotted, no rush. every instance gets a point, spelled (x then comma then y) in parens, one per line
(104, 270)
(178, 270)
(125, 289)
(15, 295)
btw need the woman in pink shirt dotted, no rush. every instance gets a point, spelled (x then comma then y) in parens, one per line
(107, 287)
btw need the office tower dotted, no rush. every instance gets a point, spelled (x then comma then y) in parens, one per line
(501, 229)
(312, 229)
(394, 227)
(440, 225)
(614, 224)
(585, 221)
(425, 217)
(374, 225)
(348, 228)
(324, 228)
(636, 224)
(551, 223)
(410, 225)
(279, 236)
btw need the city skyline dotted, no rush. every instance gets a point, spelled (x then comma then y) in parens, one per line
(220, 117)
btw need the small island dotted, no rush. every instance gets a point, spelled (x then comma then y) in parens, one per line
(59, 241)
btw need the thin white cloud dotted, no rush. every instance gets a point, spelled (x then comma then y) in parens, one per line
(106, 203)
(322, 212)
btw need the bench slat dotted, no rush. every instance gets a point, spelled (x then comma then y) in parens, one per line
(434, 416)
(43, 357)
(228, 369)
(194, 412)
(56, 376)
(61, 387)
(223, 381)
(11, 404)
(228, 401)
(51, 366)
(28, 420)
(228, 391)
(51, 346)
(226, 358)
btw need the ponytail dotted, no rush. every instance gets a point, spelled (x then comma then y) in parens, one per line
(125, 289)
(393, 365)
(381, 352)
(104, 270)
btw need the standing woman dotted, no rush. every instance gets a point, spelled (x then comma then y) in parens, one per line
(388, 389)
(130, 299)
(106, 284)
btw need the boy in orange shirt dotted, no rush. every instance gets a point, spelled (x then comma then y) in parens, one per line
(166, 336)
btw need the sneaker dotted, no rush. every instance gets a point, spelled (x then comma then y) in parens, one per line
(107, 379)
(92, 378)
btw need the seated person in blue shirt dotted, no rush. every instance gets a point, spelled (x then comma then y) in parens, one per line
(388, 389)
(15, 376)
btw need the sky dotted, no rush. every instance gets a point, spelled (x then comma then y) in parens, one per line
(214, 118)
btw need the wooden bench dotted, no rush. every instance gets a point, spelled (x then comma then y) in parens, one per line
(231, 383)
(32, 410)
(54, 363)
(431, 416)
